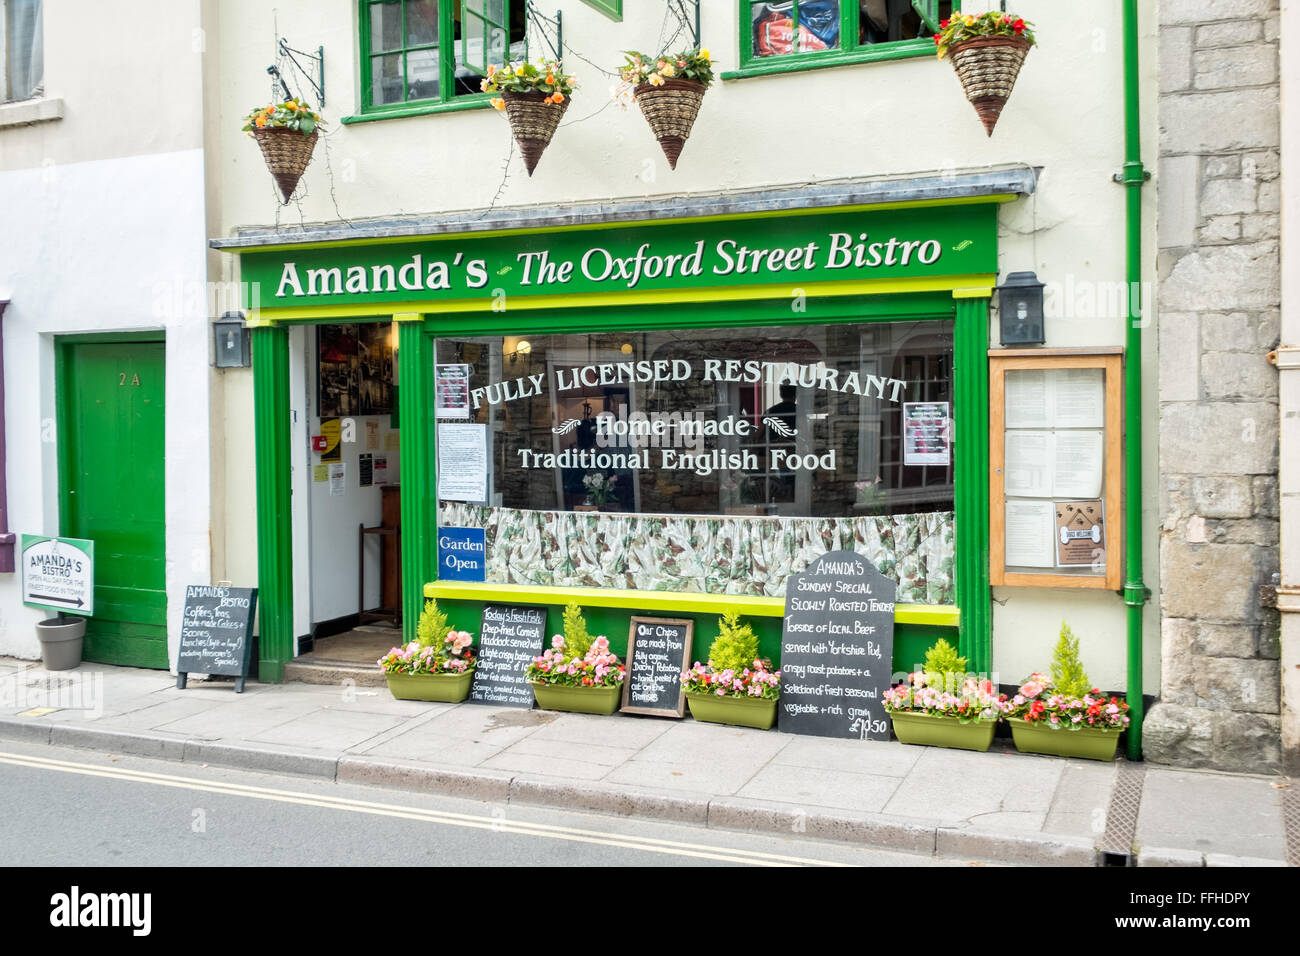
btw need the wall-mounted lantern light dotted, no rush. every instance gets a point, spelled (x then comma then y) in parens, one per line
(233, 343)
(1020, 301)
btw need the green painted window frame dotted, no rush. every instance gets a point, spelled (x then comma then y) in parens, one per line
(611, 8)
(850, 51)
(448, 47)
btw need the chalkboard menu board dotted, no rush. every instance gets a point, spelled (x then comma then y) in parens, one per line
(658, 650)
(215, 632)
(837, 649)
(509, 638)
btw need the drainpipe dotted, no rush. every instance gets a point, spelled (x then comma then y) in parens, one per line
(1287, 360)
(1133, 178)
(6, 536)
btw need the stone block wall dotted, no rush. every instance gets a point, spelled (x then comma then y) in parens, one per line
(1219, 303)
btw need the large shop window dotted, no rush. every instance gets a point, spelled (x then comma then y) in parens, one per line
(795, 34)
(714, 460)
(432, 52)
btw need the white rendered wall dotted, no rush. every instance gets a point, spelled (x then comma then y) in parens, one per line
(105, 246)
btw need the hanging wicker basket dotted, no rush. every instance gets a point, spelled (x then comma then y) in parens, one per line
(987, 68)
(287, 153)
(670, 110)
(533, 120)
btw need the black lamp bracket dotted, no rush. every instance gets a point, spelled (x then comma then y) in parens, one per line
(313, 73)
(551, 29)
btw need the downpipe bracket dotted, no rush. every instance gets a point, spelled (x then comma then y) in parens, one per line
(1133, 174)
(1136, 595)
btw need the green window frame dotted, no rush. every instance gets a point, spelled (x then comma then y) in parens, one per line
(849, 46)
(478, 22)
(611, 8)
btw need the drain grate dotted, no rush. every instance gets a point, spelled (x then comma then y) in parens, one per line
(1116, 846)
(1291, 823)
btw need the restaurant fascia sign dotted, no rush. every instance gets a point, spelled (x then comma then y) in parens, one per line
(793, 250)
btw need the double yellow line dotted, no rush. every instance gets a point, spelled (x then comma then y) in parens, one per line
(463, 820)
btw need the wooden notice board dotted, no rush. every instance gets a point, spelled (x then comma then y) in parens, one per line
(1056, 467)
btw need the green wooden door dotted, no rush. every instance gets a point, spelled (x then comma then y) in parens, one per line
(111, 465)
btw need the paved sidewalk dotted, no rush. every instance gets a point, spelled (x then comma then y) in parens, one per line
(1001, 805)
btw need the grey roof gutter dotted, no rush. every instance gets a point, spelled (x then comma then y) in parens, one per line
(1019, 180)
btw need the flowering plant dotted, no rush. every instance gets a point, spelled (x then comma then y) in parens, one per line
(596, 668)
(964, 27)
(757, 680)
(437, 649)
(734, 668)
(1037, 702)
(455, 656)
(694, 65)
(600, 487)
(977, 700)
(291, 114)
(544, 76)
(870, 493)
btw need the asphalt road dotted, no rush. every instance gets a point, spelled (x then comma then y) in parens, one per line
(67, 807)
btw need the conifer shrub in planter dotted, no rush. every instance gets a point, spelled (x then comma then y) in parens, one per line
(942, 706)
(1062, 714)
(736, 686)
(437, 666)
(577, 673)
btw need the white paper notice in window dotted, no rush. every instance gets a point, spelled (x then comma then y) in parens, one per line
(1029, 464)
(1031, 534)
(1079, 398)
(462, 462)
(1078, 464)
(1027, 399)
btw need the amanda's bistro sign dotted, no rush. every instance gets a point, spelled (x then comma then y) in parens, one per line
(787, 250)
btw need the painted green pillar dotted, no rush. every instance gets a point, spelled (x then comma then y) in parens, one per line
(274, 522)
(418, 462)
(971, 414)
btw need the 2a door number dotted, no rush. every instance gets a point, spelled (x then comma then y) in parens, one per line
(135, 379)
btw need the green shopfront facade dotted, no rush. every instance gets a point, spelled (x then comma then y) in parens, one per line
(733, 372)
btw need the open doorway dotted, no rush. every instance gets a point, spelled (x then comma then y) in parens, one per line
(346, 493)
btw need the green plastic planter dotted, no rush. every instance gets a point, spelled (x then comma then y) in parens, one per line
(756, 712)
(578, 700)
(933, 730)
(1090, 743)
(444, 688)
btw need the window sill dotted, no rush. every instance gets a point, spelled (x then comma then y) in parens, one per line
(799, 63)
(31, 112)
(937, 615)
(418, 109)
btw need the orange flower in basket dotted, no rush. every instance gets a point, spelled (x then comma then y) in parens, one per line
(557, 98)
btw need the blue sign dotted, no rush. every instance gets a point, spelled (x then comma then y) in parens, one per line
(462, 554)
